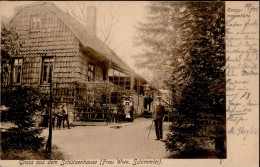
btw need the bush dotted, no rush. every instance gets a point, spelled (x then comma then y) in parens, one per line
(41, 154)
(23, 104)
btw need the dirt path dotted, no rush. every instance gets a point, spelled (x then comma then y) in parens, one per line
(92, 142)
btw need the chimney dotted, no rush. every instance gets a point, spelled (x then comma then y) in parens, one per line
(16, 9)
(92, 20)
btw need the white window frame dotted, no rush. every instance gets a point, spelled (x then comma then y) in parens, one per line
(47, 69)
(91, 72)
(35, 23)
(17, 70)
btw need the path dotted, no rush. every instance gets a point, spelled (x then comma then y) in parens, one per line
(96, 142)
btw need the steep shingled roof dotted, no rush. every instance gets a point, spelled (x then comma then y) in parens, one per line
(87, 39)
(82, 34)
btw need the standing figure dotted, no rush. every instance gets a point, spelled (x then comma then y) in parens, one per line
(54, 115)
(59, 117)
(131, 108)
(45, 114)
(158, 118)
(65, 116)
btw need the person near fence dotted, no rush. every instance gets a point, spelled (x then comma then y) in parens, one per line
(158, 118)
(54, 115)
(65, 116)
(45, 115)
(59, 117)
(131, 108)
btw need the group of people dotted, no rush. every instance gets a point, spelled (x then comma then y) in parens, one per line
(126, 109)
(61, 115)
(58, 117)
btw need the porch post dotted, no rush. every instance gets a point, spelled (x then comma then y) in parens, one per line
(132, 84)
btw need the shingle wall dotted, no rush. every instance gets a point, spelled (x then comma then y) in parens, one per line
(52, 39)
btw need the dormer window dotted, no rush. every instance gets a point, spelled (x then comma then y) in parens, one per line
(35, 23)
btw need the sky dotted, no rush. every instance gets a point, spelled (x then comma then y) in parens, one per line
(129, 13)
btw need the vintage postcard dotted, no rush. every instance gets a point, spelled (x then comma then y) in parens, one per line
(129, 83)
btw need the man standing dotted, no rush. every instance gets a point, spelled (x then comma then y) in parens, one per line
(65, 116)
(158, 118)
(131, 108)
(59, 117)
(54, 115)
(45, 114)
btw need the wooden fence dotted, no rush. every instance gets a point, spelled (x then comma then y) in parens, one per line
(91, 101)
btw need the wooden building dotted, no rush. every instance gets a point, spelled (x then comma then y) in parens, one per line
(85, 73)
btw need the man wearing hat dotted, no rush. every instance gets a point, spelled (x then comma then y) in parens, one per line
(131, 108)
(59, 117)
(158, 118)
(65, 116)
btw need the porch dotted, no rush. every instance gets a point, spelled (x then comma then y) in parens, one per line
(93, 101)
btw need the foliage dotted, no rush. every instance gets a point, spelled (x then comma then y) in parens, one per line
(185, 44)
(23, 104)
(41, 154)
(10, 42)
(10, 45)
(155, 36)
(97, 94)
(109, 16)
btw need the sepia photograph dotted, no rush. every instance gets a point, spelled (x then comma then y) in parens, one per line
(138, 80)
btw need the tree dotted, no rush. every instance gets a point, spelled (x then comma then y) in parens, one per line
(22, 103)
(156, 35)
(10, 45)
(185, 43)
(202, 105)
(110, 15)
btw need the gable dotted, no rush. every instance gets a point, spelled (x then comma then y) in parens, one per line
(79, 32)
(52, 36)
(88, 40)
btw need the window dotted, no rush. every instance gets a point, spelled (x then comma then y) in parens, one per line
(90, 72)
(47, 70)
(141, 90)
(17, 74)
(110, 75)
(114, 98)
(128, 83)
(119, 78)
(35, 23)
(116, 77)
(122, 80)
(135, 86)
(104, 74)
